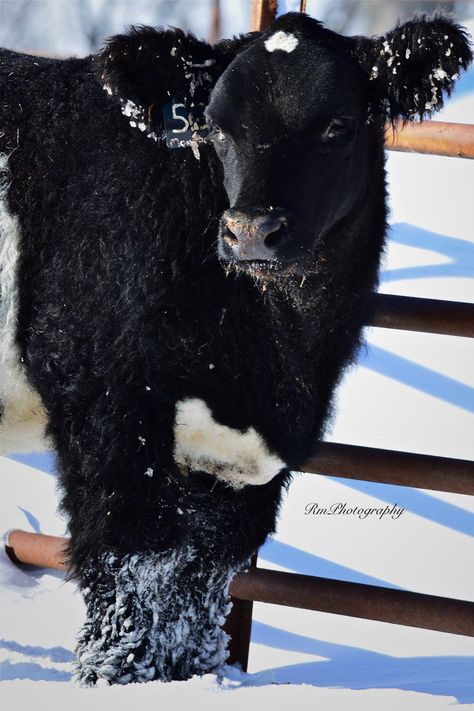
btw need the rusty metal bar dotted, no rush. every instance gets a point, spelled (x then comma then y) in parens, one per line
(450, 318)
(239, 626)
(355, 600)
(36, 549)
(390, 467)
(215, 30)
(263, 14)
(433, 137)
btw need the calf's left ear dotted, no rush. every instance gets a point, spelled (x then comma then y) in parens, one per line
(415, 66)
(148, 67)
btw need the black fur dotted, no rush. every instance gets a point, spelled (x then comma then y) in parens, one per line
(124, 305)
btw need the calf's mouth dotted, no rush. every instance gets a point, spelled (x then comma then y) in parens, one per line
(262, 269)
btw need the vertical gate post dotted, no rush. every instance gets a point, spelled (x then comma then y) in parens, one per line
(263, 14)
(239, 626)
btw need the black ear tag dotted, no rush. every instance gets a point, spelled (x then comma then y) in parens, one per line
(185, 123)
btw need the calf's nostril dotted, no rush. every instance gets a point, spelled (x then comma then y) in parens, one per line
(250, 237)
(275, 234)
(229, 237)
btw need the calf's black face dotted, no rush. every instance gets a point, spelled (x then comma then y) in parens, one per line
(296, 117)
(288, 122)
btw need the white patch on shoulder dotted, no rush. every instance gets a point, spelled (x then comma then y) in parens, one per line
(284, 41)
(22, 417)
(238, 458)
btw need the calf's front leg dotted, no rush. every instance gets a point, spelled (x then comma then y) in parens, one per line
(158, 613)
(153, 616)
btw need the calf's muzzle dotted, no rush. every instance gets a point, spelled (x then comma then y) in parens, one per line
(253, 236)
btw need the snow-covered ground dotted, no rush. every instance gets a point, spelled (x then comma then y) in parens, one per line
(410, 391)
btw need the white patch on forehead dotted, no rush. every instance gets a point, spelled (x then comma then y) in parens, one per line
(22, 417)
(238, 458)
(284, 41)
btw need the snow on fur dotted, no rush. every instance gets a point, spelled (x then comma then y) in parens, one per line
(154, 623)
(417, 64)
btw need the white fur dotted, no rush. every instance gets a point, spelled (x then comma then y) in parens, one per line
(238, 458)
(284, 41)
(23, 421)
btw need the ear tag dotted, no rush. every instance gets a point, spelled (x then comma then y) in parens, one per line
(185, 123)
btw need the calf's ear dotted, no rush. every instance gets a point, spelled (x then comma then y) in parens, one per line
(415, 66)
(148, 67)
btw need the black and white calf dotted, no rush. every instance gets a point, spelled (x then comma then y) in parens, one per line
(189, 238)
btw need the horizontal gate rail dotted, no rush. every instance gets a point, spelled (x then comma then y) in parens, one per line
(432, 137)
(408, 313)
(355, 600)
(391, 467)
(26, 548)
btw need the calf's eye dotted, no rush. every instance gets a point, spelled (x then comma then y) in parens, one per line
(216, 133)
(339, 127)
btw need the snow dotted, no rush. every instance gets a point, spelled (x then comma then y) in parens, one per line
(410, 391)
(205, 693)
(129, 108)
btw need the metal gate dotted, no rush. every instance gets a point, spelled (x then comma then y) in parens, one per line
(378, 465)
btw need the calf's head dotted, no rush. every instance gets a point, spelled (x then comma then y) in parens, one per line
(296, 115)
(287, 120)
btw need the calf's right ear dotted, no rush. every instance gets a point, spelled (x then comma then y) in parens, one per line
(415, 66)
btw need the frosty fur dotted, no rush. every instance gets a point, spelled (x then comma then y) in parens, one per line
(148, 618)
(115, 306)
(416, 65)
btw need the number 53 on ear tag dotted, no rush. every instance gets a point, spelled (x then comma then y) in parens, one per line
(183, 122)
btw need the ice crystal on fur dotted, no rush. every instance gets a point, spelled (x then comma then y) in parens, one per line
(149, 617)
